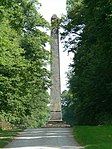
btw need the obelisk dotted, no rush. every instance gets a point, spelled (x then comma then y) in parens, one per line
(55, 101)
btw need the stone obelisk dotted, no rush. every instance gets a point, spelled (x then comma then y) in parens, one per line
(55, 101)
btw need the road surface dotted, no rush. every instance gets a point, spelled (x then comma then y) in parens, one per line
(44, 138)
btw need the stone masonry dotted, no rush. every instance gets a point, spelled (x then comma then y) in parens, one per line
(55, 101)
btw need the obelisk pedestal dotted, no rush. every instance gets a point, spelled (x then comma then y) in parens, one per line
(55, 101)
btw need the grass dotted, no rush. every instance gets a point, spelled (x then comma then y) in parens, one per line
(6, 136)
(94, 137)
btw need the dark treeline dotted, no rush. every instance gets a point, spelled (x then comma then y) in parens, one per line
(24, 79)
(88, 35)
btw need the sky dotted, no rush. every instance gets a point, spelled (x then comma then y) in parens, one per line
(58, 7)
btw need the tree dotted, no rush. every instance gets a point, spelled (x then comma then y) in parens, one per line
(89, 22)
(68, 109)
(23, 64)
(11, 65)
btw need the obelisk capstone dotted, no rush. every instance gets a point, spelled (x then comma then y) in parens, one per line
(55, 101)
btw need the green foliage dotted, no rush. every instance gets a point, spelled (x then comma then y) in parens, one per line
(24, 78)
(67, 107)
(11, 65)
(88, 35)
(98, 137)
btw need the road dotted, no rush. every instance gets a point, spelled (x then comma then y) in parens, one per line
(45, 138)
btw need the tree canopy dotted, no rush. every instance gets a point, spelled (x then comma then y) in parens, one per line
(24, 78)
(88, 34)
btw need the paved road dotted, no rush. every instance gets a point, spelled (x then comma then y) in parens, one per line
(45, 138)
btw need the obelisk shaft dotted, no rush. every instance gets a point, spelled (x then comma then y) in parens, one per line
(55, 101)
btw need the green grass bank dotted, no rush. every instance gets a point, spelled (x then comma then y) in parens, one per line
(7, 135)
(94, 137)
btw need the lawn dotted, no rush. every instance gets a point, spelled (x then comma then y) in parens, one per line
(94, 137)
(6, 136)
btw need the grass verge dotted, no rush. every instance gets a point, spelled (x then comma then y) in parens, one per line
(94, 137)
(7, 135)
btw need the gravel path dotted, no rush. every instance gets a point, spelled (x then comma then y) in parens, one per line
(45, 138)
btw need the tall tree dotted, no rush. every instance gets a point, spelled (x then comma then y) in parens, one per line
(89, 25)
(23, 63)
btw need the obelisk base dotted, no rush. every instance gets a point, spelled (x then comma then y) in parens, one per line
(56, 120)
(55, 116)
(56, 124)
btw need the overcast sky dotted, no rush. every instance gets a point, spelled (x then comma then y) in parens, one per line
(58, 7)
